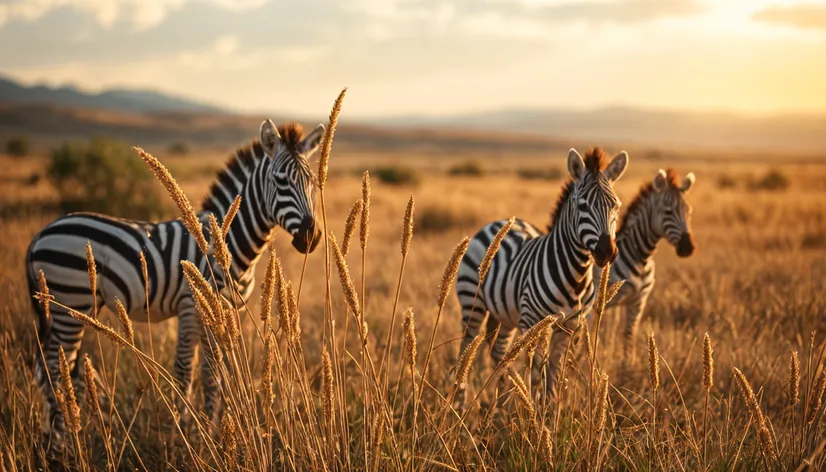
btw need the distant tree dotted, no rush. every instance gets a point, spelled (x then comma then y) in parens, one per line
(105, 176)
(18, 146)
(179, 148)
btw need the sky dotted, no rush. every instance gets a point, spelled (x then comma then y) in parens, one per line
(430, 57)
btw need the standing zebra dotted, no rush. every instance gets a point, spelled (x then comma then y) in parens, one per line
(533, 275)
(658, 211)
(277, 189)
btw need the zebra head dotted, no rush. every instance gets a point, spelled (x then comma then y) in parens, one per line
(597, 206)
(289, 186)
(671, 213)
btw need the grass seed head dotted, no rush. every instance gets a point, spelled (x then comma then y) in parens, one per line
(327, 384)
(91, 269)
(407, 227)
(653, 362)
(794, 379)
(327, 143)
(91, 384)
(365, 210)
(493, 248)
(708, 363)
(230, 216)
(451, 269)
(350, 227)
(219, 245)
(125, 322)
(70, 408)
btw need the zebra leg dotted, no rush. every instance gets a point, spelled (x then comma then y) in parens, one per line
(65, 332)
(633, 314)
(557, 353)
(189, 336)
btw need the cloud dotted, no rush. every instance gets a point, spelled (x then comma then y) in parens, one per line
(802, 15)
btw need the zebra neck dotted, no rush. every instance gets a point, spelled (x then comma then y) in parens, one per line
(636, 241)
(249, 232)
(563, 241)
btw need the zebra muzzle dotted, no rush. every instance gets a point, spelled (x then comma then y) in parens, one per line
(605, 250)
(685, 247)
(307, 237)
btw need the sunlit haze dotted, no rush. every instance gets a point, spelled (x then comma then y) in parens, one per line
(430, 57)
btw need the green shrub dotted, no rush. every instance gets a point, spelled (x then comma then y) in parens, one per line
(18, 146)
(105, 176)
(774, 180)
(467, 168)
(531, 173)
(396, 175)
(179, 148)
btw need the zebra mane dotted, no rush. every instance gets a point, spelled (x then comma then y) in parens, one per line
(673, 179)
(595, 163)
(240, 165)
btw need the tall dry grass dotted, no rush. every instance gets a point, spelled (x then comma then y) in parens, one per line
(301, 392)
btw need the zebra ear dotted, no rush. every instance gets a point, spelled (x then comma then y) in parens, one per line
(576, 166)
(688, 182)
(269, 137)
(617, 167)
(660, 182)
(311, 142)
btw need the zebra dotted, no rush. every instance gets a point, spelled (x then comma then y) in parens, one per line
(277, 188)
(658, 211)
(535, 275)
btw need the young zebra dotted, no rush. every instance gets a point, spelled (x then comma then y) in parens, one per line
(277, 189)
(534, 275)
(658, 211)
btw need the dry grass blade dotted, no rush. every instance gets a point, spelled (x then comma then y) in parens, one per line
(407, 227)
(350, 227)
(760, 424)
(68, 404)
(452, 267)
(91, 268)
(327, 143)
(493, 248)
(365, 210)
(230, 216)
(189, 217)
(708, 363)
(219, 245)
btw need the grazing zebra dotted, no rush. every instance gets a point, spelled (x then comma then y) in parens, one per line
(534, 275)
(277, 189)
(658, 211)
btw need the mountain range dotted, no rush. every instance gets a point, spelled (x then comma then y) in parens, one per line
(620, 126)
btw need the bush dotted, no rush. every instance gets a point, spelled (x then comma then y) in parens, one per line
(552, 173)
(774, 180)
(105, 177)
(726, 181)
(396, 175)
(18, 146)
(439, 219)
(179, 148)
(467, 168)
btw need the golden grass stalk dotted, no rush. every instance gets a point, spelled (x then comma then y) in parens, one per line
(365, 210)
(125, 322)
(346, 281)
(467, 358)
(295, 315)
(228, 435)
(97, 325)
(793, 392)
(188, 214)
(204, 311)
(407, 227)
(653, 362)
(230, 216)
(526, 342)
(327, 385)
(91, 385)
(91, 269)
(327, 143)
(708, 363)
(546, 444)
(409, 327)
(378, 430)
(144, 269)
(493, 248)
(350, 226)
(219, 245)
(197, 281)
(44, 297)
(522, 393)
(760, 424)
(816, 398)
(266, 375)
(603, 404)
(268, 289)
(452, 267)
(69, 406)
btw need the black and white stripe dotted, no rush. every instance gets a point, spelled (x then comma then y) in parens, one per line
(277, 189)
(533, 276)
(658, 211)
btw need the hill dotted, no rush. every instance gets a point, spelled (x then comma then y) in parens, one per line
(123, 101)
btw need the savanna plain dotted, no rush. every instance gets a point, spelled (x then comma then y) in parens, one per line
(309, 395)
